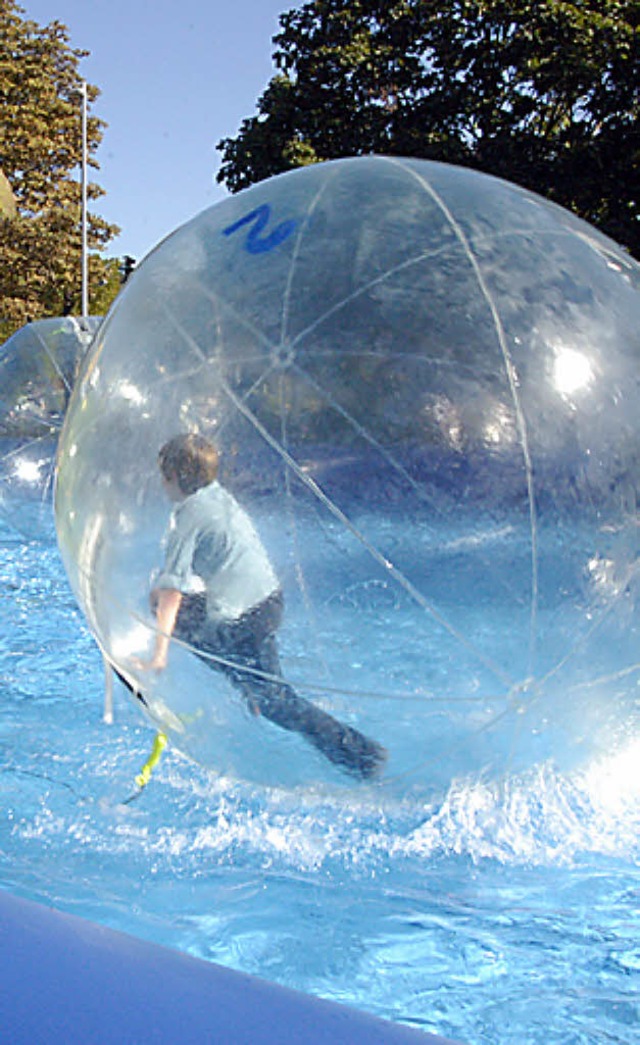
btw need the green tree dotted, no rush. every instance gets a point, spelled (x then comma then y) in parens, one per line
(40, 155)
(543, 93)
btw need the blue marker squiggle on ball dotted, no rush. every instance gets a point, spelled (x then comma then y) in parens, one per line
(255, 242)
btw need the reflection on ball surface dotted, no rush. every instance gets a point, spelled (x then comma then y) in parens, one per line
(422, 384)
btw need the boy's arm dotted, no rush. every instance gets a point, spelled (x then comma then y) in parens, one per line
(167, 604)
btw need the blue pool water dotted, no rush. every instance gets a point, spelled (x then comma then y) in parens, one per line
(495, 913)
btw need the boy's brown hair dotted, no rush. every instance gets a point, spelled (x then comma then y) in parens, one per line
(190, 460)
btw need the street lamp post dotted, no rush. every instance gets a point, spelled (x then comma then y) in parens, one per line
(85, 266)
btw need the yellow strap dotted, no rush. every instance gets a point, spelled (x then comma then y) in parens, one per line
(159, 745)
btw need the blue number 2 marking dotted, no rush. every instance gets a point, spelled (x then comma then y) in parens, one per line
(255, 242)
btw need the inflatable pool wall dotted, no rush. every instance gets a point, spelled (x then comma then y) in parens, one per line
(66, 980)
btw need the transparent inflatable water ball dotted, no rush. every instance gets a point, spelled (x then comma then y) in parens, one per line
(422, 385)
(38, 367)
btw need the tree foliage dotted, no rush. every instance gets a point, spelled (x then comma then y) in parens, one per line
(40, 155)
(541, 92)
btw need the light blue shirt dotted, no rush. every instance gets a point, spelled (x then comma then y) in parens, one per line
(212, 548)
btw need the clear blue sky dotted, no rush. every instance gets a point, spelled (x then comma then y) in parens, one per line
(175, 76)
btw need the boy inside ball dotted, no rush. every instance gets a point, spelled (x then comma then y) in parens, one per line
(218, 592)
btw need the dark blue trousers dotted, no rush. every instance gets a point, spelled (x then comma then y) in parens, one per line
(249, 657)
